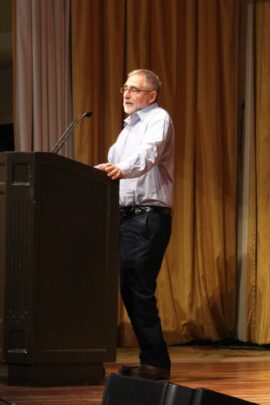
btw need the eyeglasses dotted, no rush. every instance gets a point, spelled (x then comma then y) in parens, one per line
(133, 90)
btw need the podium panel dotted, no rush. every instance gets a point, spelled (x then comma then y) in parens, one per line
(60, 269)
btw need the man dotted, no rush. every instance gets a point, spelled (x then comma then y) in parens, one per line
(143, 158)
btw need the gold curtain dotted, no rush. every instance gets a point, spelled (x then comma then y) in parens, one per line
(98, 54)
(260, 169)
(254, 263)
(192, 46)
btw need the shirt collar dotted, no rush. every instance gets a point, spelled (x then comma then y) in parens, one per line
(139, 115)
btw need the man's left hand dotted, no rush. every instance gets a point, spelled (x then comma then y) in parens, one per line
(113, 171)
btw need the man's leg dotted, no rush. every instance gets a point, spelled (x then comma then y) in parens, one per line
(144, 239)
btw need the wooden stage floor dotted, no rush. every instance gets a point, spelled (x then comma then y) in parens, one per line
(238, 371)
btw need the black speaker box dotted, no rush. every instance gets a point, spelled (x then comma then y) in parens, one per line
(121, 390)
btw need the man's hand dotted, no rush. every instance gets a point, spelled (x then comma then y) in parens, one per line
(112, 171)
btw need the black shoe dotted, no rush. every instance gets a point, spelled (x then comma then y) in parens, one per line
(125, 369)
(145, 371)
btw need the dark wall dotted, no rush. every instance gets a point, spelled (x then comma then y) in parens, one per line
(6, 137)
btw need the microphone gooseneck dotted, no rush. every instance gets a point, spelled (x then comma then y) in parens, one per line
(68, 131)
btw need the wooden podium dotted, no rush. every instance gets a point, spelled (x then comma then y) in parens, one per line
(59, 269)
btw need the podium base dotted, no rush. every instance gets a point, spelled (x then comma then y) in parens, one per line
(55, 374)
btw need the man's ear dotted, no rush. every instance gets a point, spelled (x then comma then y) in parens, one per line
(153, 96)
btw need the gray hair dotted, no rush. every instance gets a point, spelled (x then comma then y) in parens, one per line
(150, 76)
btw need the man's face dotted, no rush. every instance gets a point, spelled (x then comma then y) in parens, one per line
(134, 101)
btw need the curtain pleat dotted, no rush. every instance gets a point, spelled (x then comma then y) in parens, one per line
(246, 213)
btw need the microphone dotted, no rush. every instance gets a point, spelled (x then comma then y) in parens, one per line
(68, 131)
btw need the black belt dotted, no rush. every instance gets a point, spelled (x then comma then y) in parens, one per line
(143, 209)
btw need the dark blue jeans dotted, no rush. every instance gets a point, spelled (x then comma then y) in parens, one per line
(143, 241)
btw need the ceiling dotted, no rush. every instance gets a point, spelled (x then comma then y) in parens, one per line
(5, 32)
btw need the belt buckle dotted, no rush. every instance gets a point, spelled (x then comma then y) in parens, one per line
(137, 211)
